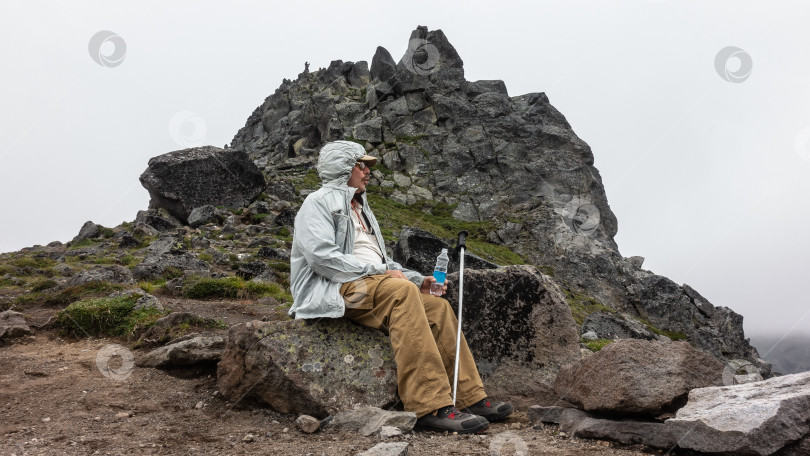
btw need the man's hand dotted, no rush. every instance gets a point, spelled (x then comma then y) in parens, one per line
(396, 273)
(428, 282)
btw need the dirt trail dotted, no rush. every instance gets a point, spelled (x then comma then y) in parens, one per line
(54, 400)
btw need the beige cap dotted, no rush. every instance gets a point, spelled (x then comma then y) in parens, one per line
(368, 160)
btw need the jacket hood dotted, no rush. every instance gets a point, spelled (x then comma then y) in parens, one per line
(337, 159)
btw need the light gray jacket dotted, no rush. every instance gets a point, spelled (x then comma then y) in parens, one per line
(323, 240)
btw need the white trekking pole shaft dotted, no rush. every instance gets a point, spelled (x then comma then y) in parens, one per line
(460, 245)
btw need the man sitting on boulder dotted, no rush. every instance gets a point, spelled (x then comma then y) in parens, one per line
(339, 268)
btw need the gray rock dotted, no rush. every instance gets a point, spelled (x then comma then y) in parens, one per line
(590, 335)
(519, 329)
(637, 376)
(417, 249)
(370, 130)
(154, 267)
(167, 243)
(387, 449)
(273, 253)
(756, 418)
(626, 431)
(13, 324)
(370, 420)
(312, 367)
(386, 432)
(546, 414)
(182, 180)
(88, 231)
(203, 215)
(383, 66)
(251, 269)
(189, 352)
(158, 219)
(307, 424)
(615, 326)
(108, 273)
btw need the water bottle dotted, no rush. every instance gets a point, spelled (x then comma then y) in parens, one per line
(440, 273)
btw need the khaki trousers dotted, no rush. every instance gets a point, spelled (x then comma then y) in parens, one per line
(422, 330)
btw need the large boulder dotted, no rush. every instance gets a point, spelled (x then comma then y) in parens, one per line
(311, 367)
(755, 418)
(182, 180)
(417, 249)
(519, 328)
(638, 377)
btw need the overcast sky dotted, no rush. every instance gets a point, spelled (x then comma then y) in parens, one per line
(705, 159)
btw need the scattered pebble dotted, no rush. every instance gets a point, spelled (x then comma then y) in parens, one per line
(46, 419)
(121, 415)
(199, 405)
(248, 438)
(307, 424)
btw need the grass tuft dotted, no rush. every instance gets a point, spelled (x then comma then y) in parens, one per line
(107, 317)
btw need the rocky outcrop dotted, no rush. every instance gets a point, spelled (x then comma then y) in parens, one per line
(185, 352)
(182, 180)
(417, 249)
(156, 266)
(519, 329)
(755, 418)
(638, 377)
(470, 147)
(311, 367)
(13, 324)
(88, 231)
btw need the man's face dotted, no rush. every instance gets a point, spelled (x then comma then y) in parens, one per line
(359, 178)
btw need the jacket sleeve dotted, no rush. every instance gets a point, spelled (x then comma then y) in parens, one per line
(315, 236)
(411, 275)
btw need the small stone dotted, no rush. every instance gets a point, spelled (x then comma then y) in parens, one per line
(98, 418)
(46, 419)
(307, 424)
(199, 405)
(248, 438)
(389, 431)
(285, 430)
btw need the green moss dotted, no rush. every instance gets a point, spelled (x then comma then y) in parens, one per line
(151, 286)
(32, 263)
(81, 243)
(310, 181)
(106, 317)
(596, 345)
(106, 233)
(42, 285)
(66, 296)
(583, 305)
(206, 257)
(232, 287)
(674, 335)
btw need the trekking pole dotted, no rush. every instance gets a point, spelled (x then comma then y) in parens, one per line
(461, 244)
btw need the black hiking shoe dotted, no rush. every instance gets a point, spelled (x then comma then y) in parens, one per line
(451, 419)
(492, 411)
